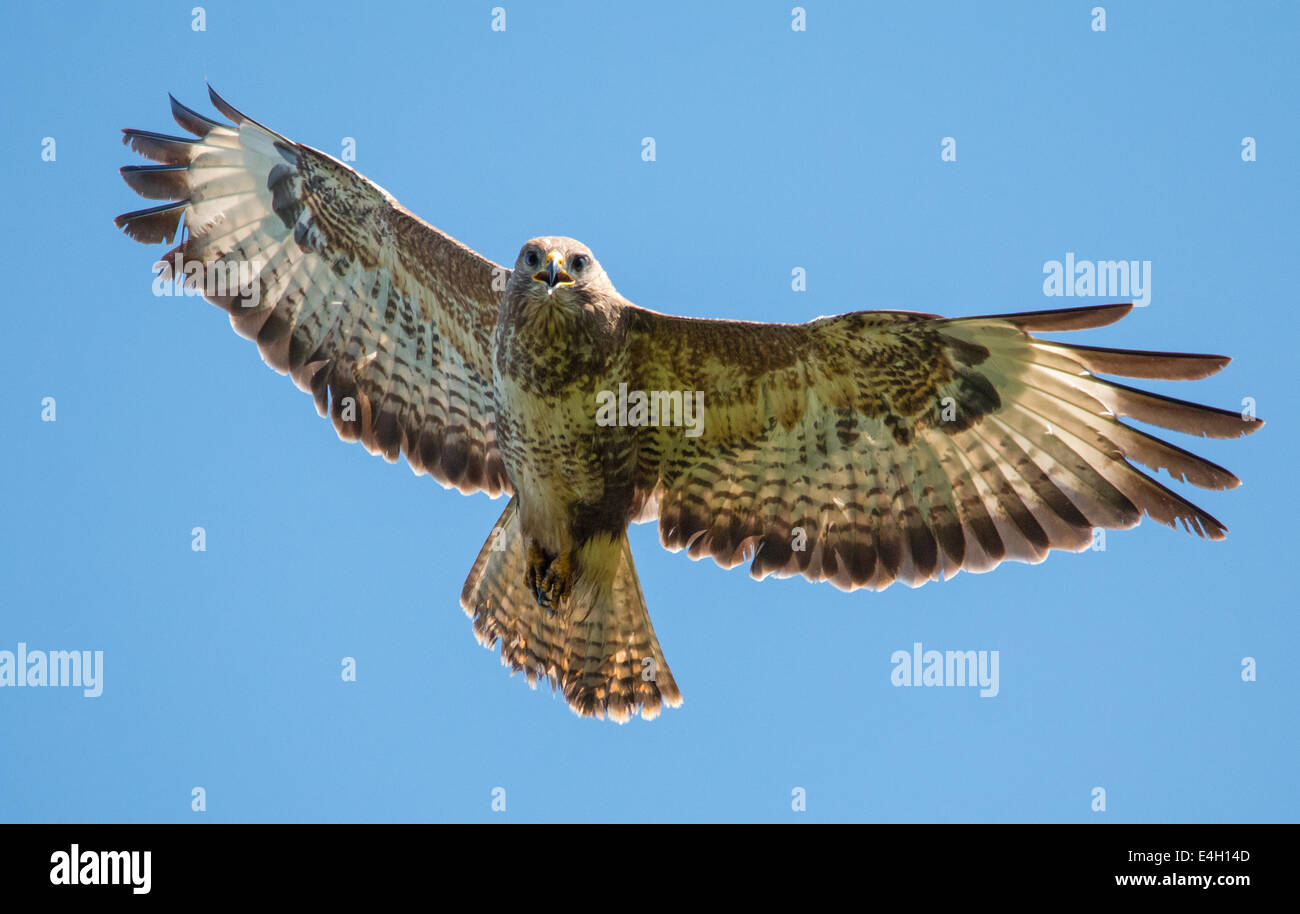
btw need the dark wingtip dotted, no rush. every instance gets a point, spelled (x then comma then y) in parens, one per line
(236, 116)
(155, 224)
(157, 182)
(1085, 317)
(161, 147)
(191, 120)
(1141, 363)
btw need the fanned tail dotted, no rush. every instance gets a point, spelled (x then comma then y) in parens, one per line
(600, 650)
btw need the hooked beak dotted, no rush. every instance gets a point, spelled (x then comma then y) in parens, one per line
(553, 273)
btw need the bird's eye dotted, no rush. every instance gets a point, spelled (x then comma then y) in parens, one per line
(579, 262)
(532, 258)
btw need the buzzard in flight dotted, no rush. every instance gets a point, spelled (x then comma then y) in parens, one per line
(862, 449)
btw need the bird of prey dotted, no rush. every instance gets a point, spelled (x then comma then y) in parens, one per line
(860, 449)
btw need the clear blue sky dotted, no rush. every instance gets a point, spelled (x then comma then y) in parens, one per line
(775, 149)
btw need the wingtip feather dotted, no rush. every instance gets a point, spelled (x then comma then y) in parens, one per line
(198, 124)
(1085, 317)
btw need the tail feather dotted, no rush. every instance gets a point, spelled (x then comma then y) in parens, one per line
(600, 650)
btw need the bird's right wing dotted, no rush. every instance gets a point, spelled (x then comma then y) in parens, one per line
(880, 446)
(387, 321)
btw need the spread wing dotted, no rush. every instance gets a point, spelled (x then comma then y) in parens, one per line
(881, 446)
(385, 320)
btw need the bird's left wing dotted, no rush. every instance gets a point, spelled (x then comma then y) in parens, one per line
(881, 446)
(385, 320)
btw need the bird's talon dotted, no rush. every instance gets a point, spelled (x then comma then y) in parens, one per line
(556, 584)
(548, 577)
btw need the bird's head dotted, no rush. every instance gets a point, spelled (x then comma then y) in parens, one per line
(559, 271)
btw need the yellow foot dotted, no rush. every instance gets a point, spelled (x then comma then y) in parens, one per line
(537, 563)
(549, 577)
(556, 584)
